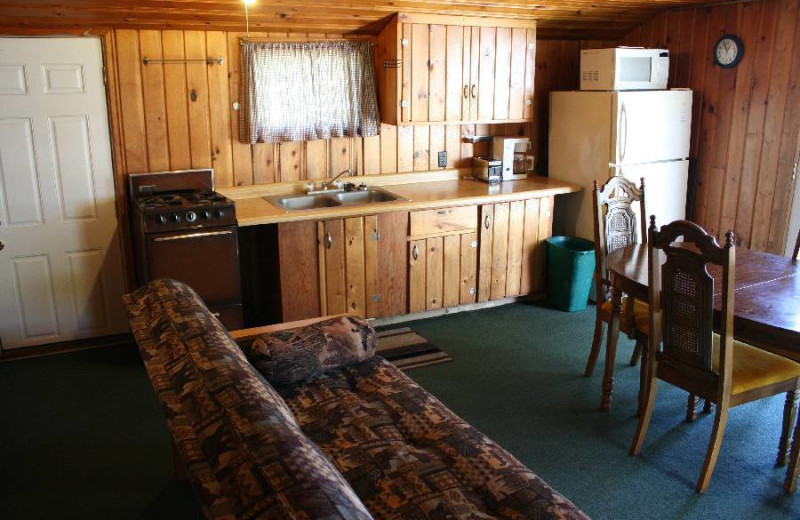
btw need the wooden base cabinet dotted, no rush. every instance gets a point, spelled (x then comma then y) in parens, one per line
(361, 265)
(442, 258)
(434, 68)
(335, 266)
(512, 252)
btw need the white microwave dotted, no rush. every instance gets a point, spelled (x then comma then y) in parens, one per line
(624, 68)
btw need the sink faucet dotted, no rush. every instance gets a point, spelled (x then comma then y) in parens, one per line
(325, 185)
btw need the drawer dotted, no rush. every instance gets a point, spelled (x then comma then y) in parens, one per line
(444, 221)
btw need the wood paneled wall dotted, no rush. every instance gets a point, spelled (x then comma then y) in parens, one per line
(178, 116)
(746, 120)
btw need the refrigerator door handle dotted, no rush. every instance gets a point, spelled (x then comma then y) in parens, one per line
(623, 131)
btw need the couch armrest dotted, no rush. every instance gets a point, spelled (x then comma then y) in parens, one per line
(252, 333)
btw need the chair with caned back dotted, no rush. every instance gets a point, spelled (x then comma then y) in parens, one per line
(684, 351)
(616, 225)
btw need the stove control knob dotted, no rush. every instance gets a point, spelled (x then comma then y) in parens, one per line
(219, 213)
(191, 216)
(161, 219)
(175, 217)
(205, 215)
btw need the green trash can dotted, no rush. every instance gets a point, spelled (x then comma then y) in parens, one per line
(570, 268)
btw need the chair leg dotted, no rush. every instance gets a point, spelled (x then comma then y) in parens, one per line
(707, 406)
(597, 342)
(720, 422)
(648, 403)
(611, 349)
(637, 353)
(789, 416)
(790, 484)
(691, 408)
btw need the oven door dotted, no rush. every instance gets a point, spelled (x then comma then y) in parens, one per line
(207, 260)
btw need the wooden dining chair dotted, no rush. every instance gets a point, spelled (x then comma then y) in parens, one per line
(616, 225)
(684, 351)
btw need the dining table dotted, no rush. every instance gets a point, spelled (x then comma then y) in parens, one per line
(766, 301)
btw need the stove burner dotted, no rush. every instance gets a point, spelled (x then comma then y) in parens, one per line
(205, 197)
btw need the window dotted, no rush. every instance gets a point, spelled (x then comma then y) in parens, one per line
(297, 91)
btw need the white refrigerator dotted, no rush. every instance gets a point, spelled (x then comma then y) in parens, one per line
(594, 135)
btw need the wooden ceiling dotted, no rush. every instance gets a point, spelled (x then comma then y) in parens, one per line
(573, 19)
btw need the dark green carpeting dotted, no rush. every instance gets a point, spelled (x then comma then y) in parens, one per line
(81, 435)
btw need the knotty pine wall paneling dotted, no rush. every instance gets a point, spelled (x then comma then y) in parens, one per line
(177, 116)
(746, 120)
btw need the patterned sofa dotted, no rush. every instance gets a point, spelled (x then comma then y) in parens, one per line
(331, 432)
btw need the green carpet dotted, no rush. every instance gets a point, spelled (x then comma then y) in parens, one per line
(81, 435)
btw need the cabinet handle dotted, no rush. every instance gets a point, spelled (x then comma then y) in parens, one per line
(328, 240)
(415, 252)
(466, 91)
(487, 221)
(444, 211)
(474, 91)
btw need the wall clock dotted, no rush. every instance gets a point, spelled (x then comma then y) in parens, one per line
(728, 51)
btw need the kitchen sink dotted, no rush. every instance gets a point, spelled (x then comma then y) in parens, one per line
(304, 202)
(366, 196)
(333, 199)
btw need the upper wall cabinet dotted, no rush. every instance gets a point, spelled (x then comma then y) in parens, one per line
(434, 69)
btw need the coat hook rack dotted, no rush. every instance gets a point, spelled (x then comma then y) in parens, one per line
(219, 60)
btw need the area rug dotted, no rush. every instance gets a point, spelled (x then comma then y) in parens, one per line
(406, 349)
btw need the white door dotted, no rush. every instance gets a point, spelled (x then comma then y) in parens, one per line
(651, 126)
(61, 267)
(665, 186)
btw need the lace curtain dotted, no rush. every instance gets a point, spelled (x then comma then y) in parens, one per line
(297, 91)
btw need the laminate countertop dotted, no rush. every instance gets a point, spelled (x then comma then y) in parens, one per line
(438, 189)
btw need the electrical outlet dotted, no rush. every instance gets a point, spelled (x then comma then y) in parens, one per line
(443, 159)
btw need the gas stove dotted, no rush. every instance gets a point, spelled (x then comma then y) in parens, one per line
(194, 206)
(185, 230)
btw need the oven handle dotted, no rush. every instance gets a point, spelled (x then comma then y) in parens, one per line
(193, 235)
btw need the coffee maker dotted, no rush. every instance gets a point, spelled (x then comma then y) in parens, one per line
(513, 152)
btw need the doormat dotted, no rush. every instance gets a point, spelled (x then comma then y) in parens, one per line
(406, 349)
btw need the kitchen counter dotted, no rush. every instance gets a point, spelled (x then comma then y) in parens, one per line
(435, 189)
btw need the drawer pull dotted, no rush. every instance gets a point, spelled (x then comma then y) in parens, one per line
(444, 211)
(328, 240)
(415, 252)
(487, 221)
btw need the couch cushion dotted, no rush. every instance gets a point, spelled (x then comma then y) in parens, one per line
(407, 456)
(294, 355)
(244, 452)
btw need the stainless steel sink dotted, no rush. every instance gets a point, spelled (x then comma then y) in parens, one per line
(299, 202)
(366, 196)
(329, 200)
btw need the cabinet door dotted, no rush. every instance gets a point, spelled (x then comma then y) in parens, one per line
(455, 82)
(416, 275)
(530, 71)
(419, 72)
(299, 271)
(502, 73)
(436, 61)
(499, 251)
(513, 249)
(466, 64)
(362, 265)
(516, 93)
(486, 73)
(332, 288)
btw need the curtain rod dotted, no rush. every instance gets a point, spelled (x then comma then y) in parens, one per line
(242, 41)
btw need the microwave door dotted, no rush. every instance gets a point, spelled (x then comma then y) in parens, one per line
(651, 126)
